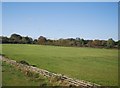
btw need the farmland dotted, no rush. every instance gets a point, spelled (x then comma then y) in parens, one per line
(91, 64)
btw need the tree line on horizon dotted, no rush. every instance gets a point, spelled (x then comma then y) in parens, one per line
(77, 42)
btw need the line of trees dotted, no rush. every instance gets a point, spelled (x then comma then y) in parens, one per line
(16, 39)
(77, 42)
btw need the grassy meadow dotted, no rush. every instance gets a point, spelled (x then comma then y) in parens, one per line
(13, 77)
(91, 64)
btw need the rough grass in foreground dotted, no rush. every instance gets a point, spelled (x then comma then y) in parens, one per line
(91, 64)
(14, 77)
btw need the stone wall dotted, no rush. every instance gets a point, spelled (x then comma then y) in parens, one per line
(60, 77)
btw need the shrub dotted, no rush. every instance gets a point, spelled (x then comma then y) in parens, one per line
(23, 62)
(36, 75)
(2, 54)
(29, 74)
(34, 65)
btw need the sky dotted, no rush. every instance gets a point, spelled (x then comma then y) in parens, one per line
(60, 0)
(54, 20)
(0, 18)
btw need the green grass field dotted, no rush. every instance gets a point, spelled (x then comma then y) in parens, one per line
(91, 64)
(13, 77)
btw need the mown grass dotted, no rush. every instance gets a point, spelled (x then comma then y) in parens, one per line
(91, 64)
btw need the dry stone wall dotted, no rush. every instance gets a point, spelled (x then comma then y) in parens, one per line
(70, 81)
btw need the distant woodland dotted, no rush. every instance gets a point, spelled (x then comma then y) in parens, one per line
(70, 42)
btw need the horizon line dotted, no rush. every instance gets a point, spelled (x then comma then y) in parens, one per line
(57, 38)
